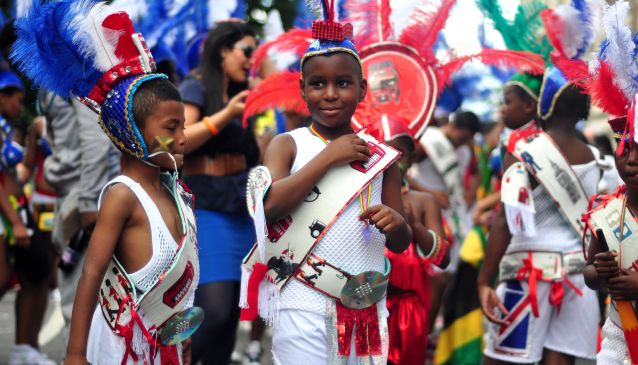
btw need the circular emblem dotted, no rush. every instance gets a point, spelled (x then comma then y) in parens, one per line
(399, 83)
(259, 181)
(364, 289)
(181, 326)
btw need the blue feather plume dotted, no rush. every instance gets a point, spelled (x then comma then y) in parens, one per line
(586, 17)
(49, 51)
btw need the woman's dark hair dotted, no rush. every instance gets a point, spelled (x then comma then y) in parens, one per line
(223, 35)
(149, 94)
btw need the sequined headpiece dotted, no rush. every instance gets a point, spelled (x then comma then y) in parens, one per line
(88, 49)
(329, 36)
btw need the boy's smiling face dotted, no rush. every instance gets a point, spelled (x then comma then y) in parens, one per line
(332, 87)
(166, 121)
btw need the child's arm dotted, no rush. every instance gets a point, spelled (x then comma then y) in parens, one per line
(497, 242)
(388, 216)
(424, 214)
(288, 191)
(112, 218)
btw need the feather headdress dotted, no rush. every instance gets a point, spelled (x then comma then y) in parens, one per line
(570, 30)
(87, 49)
(375, 36)
(525, 32)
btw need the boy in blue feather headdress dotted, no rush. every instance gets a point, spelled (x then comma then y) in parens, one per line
(141, 266)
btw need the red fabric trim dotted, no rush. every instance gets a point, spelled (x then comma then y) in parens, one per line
(250, 313)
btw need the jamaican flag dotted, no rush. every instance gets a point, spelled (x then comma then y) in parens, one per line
(461, 340)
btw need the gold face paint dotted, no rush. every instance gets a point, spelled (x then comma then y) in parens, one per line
(162, 144)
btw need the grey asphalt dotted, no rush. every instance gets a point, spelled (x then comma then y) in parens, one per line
(53, 343)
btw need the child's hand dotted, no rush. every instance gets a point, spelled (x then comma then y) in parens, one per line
(606, 265)
(488, 301)
(75, 360)
(21, 235)
(624, 286)
(383, 217)
(346, 149)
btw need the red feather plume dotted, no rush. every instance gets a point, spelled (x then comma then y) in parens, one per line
(606, 94)
(424, 26)
(575, 71)
(279, 90)
(294, 40)
(372, 18)
(554, 29)
(121, 23)
(522, 61)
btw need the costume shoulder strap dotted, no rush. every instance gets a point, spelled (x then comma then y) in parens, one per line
(148, 205)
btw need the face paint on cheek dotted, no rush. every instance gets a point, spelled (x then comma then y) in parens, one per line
(162, 144)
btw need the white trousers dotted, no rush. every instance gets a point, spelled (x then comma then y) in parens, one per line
(300, 338)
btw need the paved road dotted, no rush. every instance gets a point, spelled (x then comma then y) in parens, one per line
(51, 339)
(53, 345)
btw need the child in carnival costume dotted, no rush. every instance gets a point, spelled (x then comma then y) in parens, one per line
(142, 279)
(534, 242)
(318, 270)
(408, 291)
(611, 251)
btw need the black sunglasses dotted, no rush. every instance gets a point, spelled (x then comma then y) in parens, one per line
(248, 50)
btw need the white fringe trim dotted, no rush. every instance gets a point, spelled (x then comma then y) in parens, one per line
(261, 229)
(520, 219)
(243, 291)
(268, 302)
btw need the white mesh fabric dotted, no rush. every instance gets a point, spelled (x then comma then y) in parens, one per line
(613, 350)
(553, 231)
(164, 246)
(343, 244)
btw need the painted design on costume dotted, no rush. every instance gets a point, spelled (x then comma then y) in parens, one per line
(376, 154)
(529, 161)
(564, 180)
(514, 339)
(384, 82)
(316, 228)
(277, 229)
(283, 265)
(313, 195)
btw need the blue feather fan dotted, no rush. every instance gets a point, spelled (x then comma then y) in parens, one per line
(49, 50)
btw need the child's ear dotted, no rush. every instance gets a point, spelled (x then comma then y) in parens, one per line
(530, 106)
(301, 89)
(363, 89)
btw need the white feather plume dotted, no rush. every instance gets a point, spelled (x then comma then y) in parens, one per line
(621, 47)
(101, 42)
(22, 7)
(573, 35)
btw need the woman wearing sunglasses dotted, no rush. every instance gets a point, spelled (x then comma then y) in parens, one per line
(219, 153)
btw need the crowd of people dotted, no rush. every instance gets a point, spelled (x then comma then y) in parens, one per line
(364, 227)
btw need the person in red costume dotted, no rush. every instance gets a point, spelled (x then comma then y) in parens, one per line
(408, 298)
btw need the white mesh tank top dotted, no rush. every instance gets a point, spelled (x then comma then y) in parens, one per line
(553, 231)
(164, 245)
(343, 244)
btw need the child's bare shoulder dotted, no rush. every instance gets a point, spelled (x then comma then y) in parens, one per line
(280, 152)
(119, 199)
